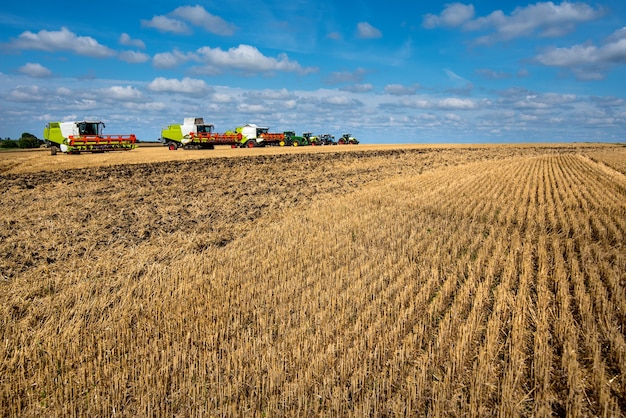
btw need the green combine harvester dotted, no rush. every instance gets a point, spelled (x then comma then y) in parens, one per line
(84, 136)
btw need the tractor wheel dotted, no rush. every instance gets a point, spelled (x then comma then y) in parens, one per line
(295, 143)
(281, 143)
(172, 146)
(251, 143)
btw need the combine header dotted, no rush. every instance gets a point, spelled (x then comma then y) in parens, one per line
(84, 136)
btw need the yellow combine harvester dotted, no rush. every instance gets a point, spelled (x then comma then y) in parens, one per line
(84, 136)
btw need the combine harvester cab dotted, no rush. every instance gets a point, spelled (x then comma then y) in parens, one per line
(348, 139)
(193, 133)
(84, 136)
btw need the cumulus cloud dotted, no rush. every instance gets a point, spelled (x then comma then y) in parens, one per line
(188, 86)
(249, 59)
(35, 70)
(359, 88)
(133, 57)
(178, 21)
(166, 24)
(126, 40)
(452, 103)
(28, 94)
(125, 93)
(197, 15)
(367, 31)
(339, 101)
(545, 19)
(268, 94)
(172, 59)
(453, 15)
(588, 61)
(62, 40)
(400, 90)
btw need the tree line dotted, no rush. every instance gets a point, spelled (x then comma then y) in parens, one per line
(27, 140)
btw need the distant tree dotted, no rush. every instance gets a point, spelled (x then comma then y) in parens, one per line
(7, 143)
(29, 140)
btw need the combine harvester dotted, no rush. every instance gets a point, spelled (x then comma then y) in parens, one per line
(258, 136)
(84, 136)
(193, 133)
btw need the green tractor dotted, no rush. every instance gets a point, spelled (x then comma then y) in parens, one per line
(291, 139)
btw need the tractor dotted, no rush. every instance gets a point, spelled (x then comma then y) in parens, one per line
(348, 139)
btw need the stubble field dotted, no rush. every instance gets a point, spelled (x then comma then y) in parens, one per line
(338, 281)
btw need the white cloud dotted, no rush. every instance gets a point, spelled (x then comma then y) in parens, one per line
(400, 90)
(253, 108)
(268, 94)
(456, 103)
(249, 59)
(166, 24)
(339, 101)
(416, 104)
(367, 31)
(453, 75)
(187, 85)
(359, 88)
(62, 40)
(121, 93)
(172, 59)
(588, 61)
(35, 70)
(452, 117)
(28, 94)
(126, 40)
(198, 16)
(453, 15)
(134, 57)
(544, 19)
(179, 19)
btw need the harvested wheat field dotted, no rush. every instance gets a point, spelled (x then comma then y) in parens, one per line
(392, 281)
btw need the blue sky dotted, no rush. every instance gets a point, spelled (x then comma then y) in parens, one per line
(387, 72)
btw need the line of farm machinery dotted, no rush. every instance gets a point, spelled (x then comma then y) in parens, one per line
(193, 133)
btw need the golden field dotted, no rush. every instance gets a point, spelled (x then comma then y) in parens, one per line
(326, 281)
